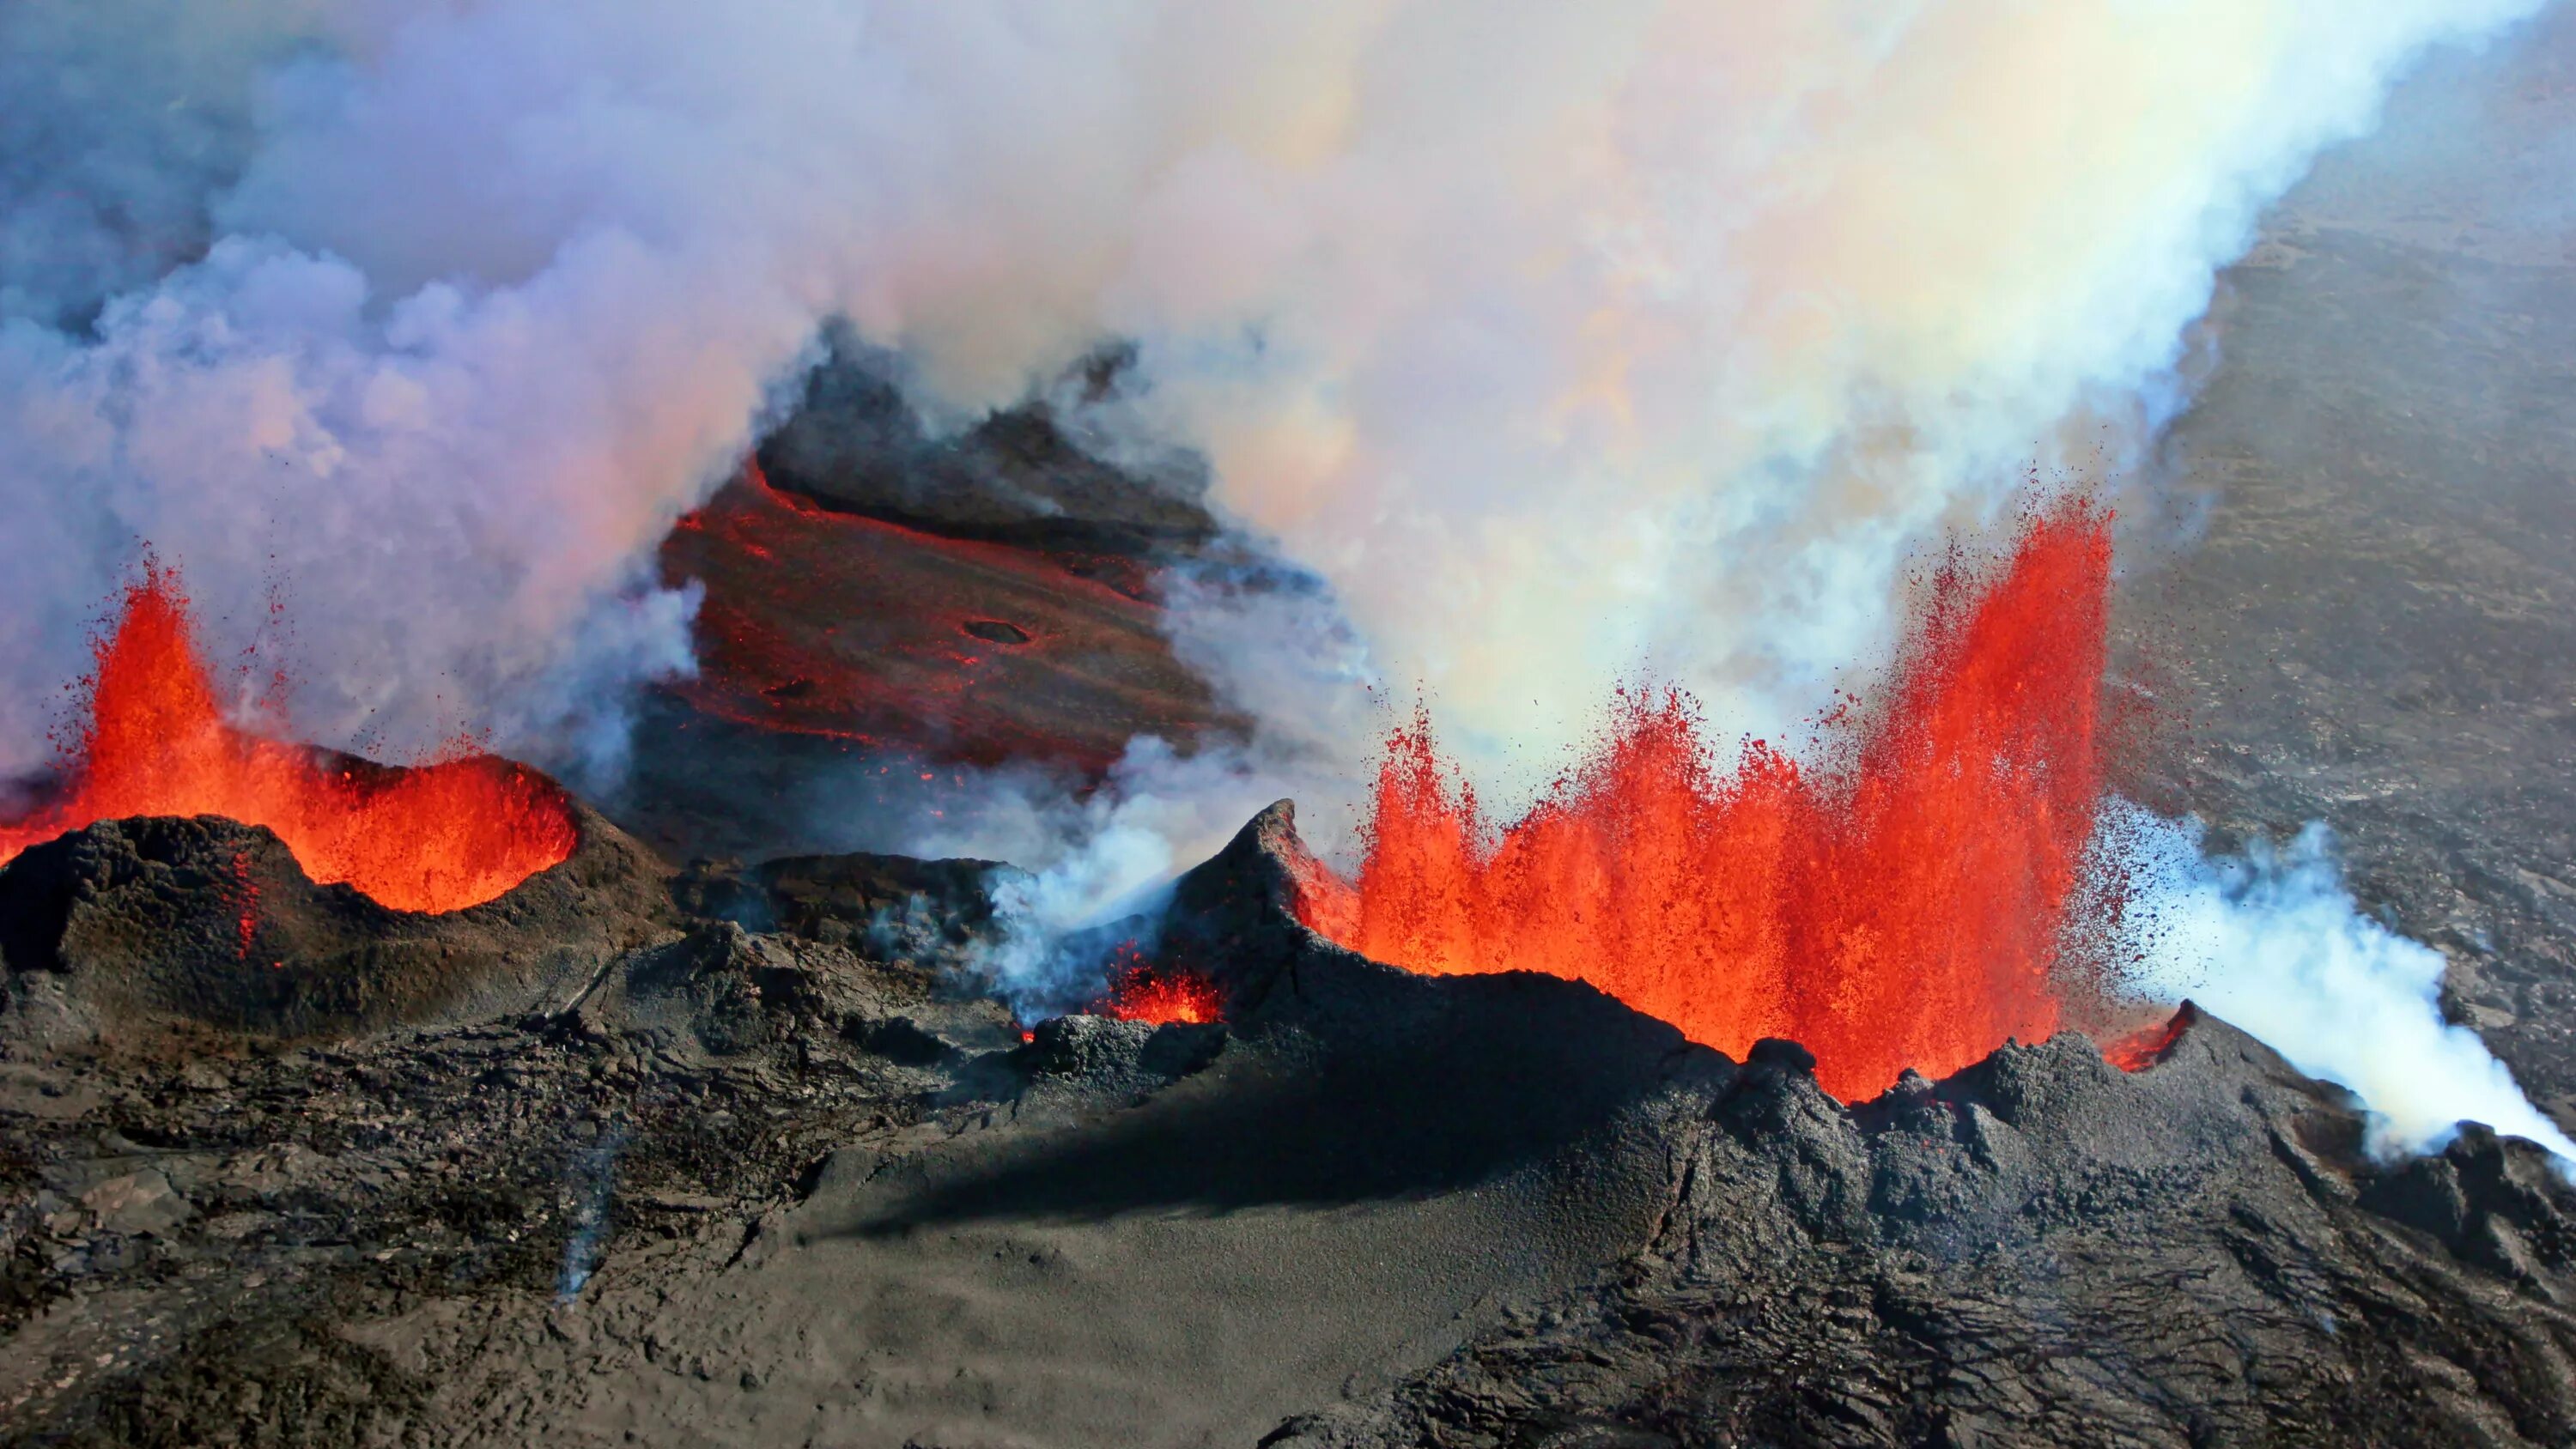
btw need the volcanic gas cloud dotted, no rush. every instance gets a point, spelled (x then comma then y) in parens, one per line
(1897, 904)
(439, 837)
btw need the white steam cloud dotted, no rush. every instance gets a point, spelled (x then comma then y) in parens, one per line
(1563, 342)
(1086, 859)
(2272, 942)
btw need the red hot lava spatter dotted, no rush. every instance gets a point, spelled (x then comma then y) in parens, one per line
(2148, 1045)
(246, 898)
(1896, 905)
(1140, 992)
(155, 741)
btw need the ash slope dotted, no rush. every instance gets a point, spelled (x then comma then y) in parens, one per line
(773, 1188)
(2037, 1251)
(795, 1186)
(2369, 625)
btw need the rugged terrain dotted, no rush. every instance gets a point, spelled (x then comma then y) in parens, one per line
(794, 1185)
(742, 1156)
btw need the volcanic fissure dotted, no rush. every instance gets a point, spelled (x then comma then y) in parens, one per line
(1897, 903)
(155, 740)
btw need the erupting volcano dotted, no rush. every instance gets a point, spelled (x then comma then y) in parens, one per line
(439, 837)
(1898, 904)
(1139, 992)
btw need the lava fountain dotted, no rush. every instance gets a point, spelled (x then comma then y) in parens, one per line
(439, 837)
(1899, 903)
(1139, 991)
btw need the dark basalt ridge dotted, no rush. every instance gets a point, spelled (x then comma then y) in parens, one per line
(1016, 476)
(144, 930)
(778, 1174)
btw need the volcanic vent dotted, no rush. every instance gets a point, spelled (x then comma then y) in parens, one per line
(155, 742)
(186, 870)
(1898, 904)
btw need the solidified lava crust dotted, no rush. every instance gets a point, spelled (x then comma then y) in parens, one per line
(836, 624)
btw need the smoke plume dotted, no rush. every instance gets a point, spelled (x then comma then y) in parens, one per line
(1561, 343)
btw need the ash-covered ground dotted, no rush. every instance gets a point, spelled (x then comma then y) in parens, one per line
(2366, 618)
(726, 1156)
(803, 1185)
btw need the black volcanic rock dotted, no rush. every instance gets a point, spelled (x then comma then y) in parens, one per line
(892, 902)
(130, 927)
(774, 1185)
(1105, 1053)
(1017, 476)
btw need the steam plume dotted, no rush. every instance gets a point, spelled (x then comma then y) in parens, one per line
(2271, 941)
(1563, 343)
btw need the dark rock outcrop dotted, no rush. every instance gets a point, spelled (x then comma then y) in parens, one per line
(1017, 476)
(892, 903)
(133, 929)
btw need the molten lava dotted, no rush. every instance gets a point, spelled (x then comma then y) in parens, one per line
(1898, 905)
(2147, 1046)
(437, 838)
(1145, 993)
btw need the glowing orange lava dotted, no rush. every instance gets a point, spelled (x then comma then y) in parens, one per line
(1143, 993)
(437, 838)
(2146, 1046)
(1898, 905)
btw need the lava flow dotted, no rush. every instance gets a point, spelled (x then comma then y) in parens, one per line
(2148, 1045)
(439, 837)
(1897, 906)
